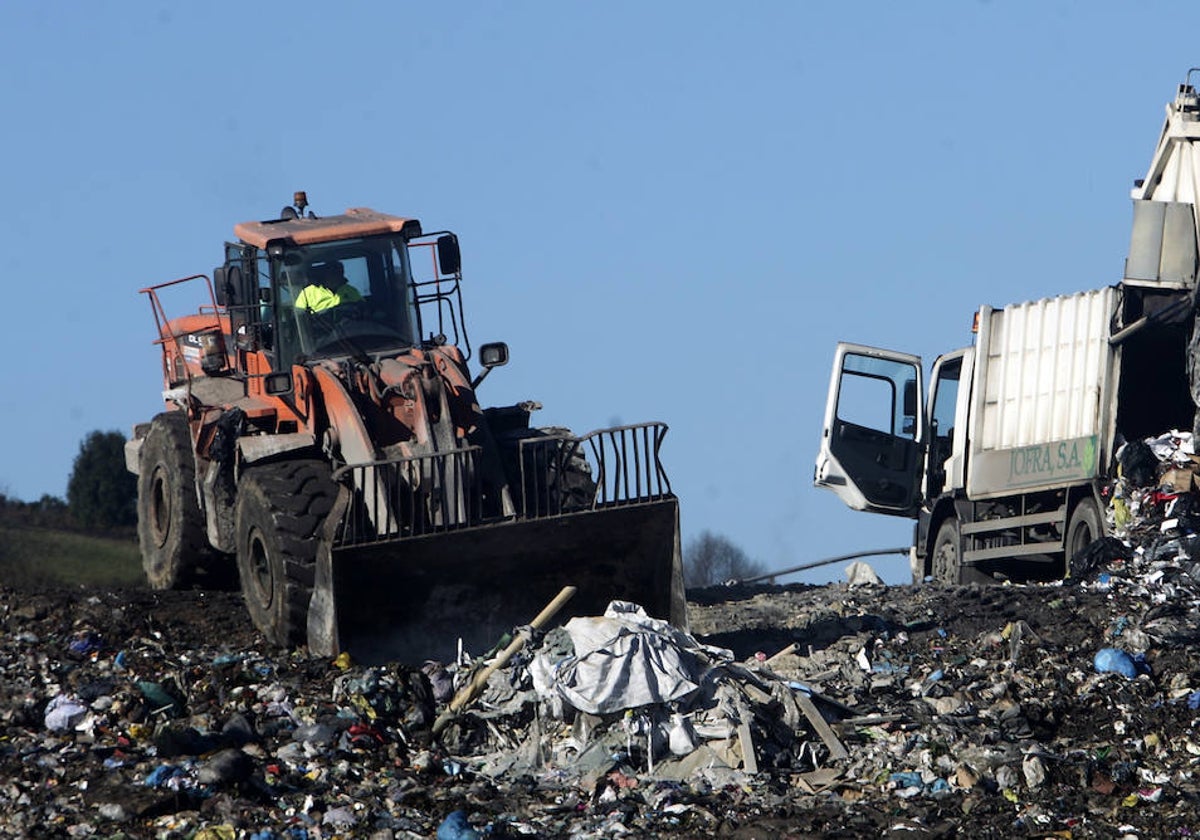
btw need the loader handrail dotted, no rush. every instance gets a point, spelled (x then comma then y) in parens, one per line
(558, 475)
(630, 467)
(160, 314)
(412, 496)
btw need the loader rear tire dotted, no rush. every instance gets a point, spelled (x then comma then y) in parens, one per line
(281, 509)
(171, 530)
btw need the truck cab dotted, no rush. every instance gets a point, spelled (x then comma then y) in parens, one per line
(884, 447)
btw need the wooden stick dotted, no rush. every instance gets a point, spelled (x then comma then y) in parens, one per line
(792, 648)
(468, 692)
(836, 749)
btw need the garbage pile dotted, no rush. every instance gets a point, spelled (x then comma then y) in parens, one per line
(120, 722)
(1154, 512)
(1060, 710)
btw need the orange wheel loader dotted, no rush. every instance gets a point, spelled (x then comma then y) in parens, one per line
(321, 429)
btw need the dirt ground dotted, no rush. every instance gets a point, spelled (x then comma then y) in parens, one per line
(964, 711)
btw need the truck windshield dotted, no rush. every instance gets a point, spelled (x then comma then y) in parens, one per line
(350, 297)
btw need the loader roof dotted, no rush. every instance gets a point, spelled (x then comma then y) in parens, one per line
(355, 222)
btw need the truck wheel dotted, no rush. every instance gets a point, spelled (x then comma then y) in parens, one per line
(947, 553)
(1083, 528)
(280, 510)
(171, 530)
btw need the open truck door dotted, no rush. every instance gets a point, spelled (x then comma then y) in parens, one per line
(872, 442)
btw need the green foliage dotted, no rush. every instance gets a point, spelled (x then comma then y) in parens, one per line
(101, 493)
(710, 559)
(47, 512)
(32, 556)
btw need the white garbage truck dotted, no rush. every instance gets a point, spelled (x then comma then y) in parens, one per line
(1007, 463)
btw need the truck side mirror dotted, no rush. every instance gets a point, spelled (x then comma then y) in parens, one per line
(910, 398)
(449, 257)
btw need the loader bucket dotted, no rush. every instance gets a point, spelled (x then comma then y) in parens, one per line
(415, 599)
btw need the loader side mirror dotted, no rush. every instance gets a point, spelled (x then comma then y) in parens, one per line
(493, 355)
(227, 281)
(221, 285)
(449, 257)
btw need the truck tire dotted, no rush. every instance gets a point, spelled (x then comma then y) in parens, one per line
(946, 560)
(1083, 529)
(280, 511)
(171, 532)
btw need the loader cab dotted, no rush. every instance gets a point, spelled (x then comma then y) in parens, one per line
(300, 302)
(344, 298)
(393, 288)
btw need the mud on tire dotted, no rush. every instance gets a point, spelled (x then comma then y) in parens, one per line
(280, 512)
(171, 531)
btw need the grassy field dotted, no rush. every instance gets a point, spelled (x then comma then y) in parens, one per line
(37, 555)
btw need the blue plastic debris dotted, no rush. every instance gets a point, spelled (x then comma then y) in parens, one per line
(162, 774)
(1193, 700)
(908, 779)
(456, 827)
(85, 642)
(1115, 661)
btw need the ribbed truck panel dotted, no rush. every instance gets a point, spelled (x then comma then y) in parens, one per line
(1043, 397)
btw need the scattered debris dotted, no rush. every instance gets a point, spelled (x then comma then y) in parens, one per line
(1049, 710)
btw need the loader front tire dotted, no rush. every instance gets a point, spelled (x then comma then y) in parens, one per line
(171, 531)
(281, 509)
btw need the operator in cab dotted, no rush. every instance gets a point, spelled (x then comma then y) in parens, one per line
(329, 288)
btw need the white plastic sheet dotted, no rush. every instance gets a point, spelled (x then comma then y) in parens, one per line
(623, 660)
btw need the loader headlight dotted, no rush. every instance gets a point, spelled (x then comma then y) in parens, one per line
(278, 383)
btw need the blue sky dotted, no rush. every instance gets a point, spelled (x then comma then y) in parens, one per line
(669, 211)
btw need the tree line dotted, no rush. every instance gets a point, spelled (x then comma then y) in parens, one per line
(101, 493)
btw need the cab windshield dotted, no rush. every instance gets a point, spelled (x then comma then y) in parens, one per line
(350, 297)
